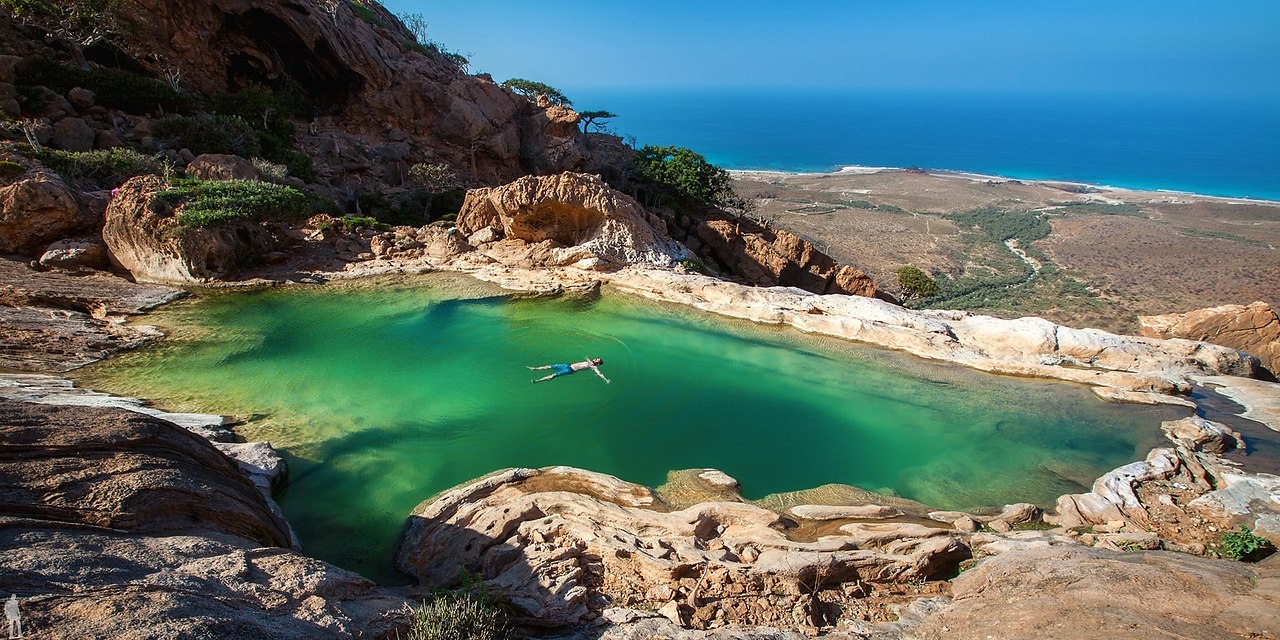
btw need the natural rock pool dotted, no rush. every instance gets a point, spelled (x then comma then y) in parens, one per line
(385, 393)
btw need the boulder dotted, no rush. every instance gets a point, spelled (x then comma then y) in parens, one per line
(144, 530)
(73, 134)
(144, 238)
(578, 215)
(80, 97)
(36, 210)
(1253, 329)
(85, 254)
(216, 166)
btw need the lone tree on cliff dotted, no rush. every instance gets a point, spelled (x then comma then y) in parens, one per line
(596, 118)
(689, 175)
(916, 284)
(531, 90)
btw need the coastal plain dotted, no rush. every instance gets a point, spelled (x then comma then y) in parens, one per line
(1114, 254)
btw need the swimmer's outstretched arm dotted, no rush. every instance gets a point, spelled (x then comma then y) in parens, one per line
(600, 373)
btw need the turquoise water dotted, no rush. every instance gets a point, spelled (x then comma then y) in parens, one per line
(383, 396)
(1210, 144)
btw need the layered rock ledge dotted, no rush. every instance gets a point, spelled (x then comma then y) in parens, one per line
(118, 524)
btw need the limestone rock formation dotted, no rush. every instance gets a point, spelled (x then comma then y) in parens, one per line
(35, 210)
(766, 256)
(145, 239)
(1253, 329)
(53, 322)
(562, 544)
(1075, 593)
(573, 217)
(116, 524)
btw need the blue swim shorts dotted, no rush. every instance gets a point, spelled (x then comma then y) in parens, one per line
(562, 369)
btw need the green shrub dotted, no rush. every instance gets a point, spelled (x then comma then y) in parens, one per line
(697, 266)
(9, 168)
(916, 283)
(687, 174)
(353, 223)
(112, 88)
(102, 168)
(210, 203)
(458, 616)
(205, 133)
(1243, 544)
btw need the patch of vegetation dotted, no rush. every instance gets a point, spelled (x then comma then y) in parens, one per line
(1245, 545)
(531, 90)
(9, 168)
(857, 204)
(458, 616)
(816, 209)
(211, 203)
(208, 133)
(697, 266)
(103, 168)
(367, 14)
(355, 223)
(1129, 546)
(1102, 208)
(79, 22)
(916, 284)
(1218, 235)
(999, 225)
(113, 88)
(688, 175)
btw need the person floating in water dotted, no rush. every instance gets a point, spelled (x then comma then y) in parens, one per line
(566, 369)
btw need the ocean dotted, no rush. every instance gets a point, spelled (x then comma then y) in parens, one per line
(1202, 144)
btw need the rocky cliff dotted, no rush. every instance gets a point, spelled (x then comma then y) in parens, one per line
(1253, 329)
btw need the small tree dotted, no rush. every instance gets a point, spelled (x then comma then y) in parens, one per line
(596, 118)
(531, 90)
(916, 284)
(434, 179)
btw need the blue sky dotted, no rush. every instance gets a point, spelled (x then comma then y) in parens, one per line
(1164, 46)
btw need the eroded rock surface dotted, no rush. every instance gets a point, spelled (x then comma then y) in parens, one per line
(572, 218)
(766, 256)
(55, 322)
(1253, 329)
(1072, 592)
(117, 524)
(386, 101)
(562, 545)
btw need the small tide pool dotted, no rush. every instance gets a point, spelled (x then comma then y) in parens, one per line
(383, 394)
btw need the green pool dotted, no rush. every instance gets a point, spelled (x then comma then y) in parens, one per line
(384, 395)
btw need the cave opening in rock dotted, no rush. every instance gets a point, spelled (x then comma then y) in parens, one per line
(264, 50)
